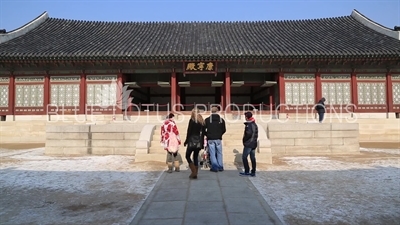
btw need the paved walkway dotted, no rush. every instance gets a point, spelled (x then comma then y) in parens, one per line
(222, 198)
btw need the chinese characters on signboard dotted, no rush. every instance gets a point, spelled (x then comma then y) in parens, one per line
(200, 66)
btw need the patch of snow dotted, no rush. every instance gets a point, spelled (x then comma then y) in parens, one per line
(389, 151)
(87, 181)
(319, 190)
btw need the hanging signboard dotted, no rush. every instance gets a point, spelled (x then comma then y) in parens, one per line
(200, 67)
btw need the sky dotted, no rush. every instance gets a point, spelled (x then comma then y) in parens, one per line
(16, 13)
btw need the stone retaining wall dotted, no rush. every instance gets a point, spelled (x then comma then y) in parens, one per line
(313, 138)
(106, 139)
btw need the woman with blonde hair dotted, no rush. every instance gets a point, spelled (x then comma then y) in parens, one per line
(194, 141)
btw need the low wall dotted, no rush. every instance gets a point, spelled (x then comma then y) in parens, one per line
(313, 138)
(379, 130)
(106, 139)
(23, 132)
(30, 129)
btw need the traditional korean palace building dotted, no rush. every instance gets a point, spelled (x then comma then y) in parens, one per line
(81, 66)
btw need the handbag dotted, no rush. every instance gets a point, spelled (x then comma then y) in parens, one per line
(195, 142)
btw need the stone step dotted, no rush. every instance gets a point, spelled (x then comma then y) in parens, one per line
(161, 157)
(153, 157)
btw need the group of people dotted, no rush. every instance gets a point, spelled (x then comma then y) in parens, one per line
(201, 132)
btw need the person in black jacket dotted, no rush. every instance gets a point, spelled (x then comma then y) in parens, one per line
(215, 128)
(320, 109)
(194, 136)
(250, 143)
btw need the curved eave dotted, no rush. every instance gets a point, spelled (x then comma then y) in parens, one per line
(24, 29)
(374, 25)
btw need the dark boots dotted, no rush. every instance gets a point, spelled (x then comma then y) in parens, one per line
(194, 170)
(170, 166)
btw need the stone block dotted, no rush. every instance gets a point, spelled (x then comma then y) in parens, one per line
(336, 133)
(335, 149)
(33, 139)
(131, 136)
(291, 134)
(345, 126)
(67, 136)
(125, 151)
(263, 143)
(107, 136)
(75, 151)
(301, 150)
(264, 158)
(142, 151)
(116, 128)
(67, 143)
(56, 151)
(350, 141)
(102, 151)
(113, 143)
(147, 132)
(11, 139)
(231, 142)
(264, 150)
(278, 150)
(298, 126)
(282, 141)
(317, 141)
(385, 137)
(142, 144)
(67, 128)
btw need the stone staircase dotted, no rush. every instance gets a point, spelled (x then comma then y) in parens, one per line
(232, 143)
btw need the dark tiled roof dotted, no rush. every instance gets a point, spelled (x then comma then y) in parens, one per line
(318, 38)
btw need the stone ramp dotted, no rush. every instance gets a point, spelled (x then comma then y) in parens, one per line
(222, 198)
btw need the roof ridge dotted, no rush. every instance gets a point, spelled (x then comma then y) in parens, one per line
(197, 21)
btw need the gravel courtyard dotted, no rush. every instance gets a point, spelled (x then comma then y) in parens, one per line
(109, 190)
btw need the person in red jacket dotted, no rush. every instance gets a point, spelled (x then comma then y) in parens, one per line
(170, 140)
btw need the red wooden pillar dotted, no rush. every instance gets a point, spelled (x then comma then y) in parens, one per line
(228, 91)
(178, 98)
(389, 92)
(173, 91)
(120, 85)
(46, 100)
(82, 94)
(318, 86)
(223, 98)
(354, 93)
(281, 83)
(11, 97)
(272, 91)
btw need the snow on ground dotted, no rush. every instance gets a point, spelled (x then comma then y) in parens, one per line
(109, 190)
(335, 190)
(37, 189)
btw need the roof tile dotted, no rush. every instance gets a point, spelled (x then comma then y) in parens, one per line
(333, 37)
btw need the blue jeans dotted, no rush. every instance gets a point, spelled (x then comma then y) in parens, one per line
(215, 149)
(321, 116)
(246, 153)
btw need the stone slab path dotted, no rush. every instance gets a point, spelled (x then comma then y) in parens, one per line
(222, 198)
